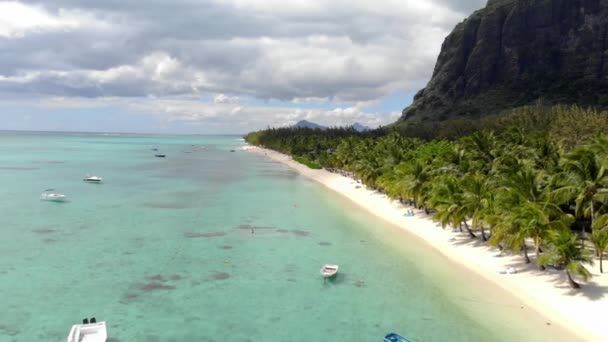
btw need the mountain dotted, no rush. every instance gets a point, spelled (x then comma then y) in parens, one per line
(515, 52)
(360, 128)
(308, 124)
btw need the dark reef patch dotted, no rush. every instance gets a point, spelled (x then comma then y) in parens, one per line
(43, 231)
(226, 247)
(167, 205)
(128, 297)
(324, 243)
(250, 227)
(154, 286)
(299, 232)
(10, 331)
(18, 168)
(359, 283)
(49, 240)
(157, 282)
(221, 275)
(157, 277)
(195, 235)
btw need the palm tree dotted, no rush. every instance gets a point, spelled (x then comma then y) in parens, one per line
(526, 209)
(599, 237)
(417, 183)
(566, 251)
(599, 145)
(476, 198)
(447, 199)
(482, 146)
(537, 221)
(508, 231)
(584, 180)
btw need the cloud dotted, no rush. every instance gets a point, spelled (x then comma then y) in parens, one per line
(344, 50)
(221, 98)
(239, 117)
(18, 20)
(301, 51)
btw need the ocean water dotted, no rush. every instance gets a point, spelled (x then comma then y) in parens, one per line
(215, 246)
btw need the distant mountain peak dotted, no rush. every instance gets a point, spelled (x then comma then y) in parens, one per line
(360, 128)
(308, 124)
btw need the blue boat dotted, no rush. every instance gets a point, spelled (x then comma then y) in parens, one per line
(393, 337)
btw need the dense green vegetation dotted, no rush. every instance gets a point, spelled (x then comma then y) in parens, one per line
(535, 178)
(311, 164)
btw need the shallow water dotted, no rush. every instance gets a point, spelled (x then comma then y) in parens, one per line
(211, 244)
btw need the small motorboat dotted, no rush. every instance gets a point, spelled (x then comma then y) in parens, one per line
(51, 195)
(92, 331)
(328, 271)
(92, 179)
(393, 337)
(160, 155)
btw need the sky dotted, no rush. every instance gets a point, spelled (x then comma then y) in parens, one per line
(215, 66)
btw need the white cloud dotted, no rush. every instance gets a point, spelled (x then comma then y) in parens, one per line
(221, 98)
(239, 117)
(133, 55)
(18, 20)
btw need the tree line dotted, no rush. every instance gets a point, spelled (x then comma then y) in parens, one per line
(533, 181)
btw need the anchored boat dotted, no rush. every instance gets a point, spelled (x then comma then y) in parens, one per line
(92, 331)
(328, 271)
(92, 179)
(51, 195)
(393, 337)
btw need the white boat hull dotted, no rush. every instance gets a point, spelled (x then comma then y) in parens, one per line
(328, 271)
(93, 332)
(53, 197)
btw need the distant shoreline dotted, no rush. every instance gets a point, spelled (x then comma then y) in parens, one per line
(583, 313)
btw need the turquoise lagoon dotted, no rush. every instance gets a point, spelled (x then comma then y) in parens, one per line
(163, 250)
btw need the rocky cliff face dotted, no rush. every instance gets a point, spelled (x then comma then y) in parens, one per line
(514, 52)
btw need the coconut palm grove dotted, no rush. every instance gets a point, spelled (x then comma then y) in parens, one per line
(533, 181)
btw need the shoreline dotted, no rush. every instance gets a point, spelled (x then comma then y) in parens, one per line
(581, 312)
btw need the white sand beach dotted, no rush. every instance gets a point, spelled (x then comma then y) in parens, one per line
(583, 311)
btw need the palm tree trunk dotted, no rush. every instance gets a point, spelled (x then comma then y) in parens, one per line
(483, 234)
(525, 248)
(574, 284)
(584, 233)
(601, 259)
(490, 235)
(471, 234)
(537, 251)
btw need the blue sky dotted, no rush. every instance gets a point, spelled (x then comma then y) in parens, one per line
(215, 66)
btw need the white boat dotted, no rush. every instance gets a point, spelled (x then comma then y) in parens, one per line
(92, 179)
(328, 271)
(51, 195)
(88, 332)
